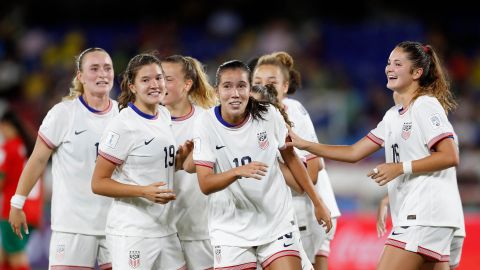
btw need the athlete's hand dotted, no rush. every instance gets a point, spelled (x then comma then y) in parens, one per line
(254, 169)
(18, 220)
(382, 212)
(157, 194)
(294, 140)
(386, 172)
(183, 152)
(323, 216)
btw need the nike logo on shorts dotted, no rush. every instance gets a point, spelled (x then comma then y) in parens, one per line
(149, 141)
(394, 233)
(287, 245)
(80, 132)
(219, 147)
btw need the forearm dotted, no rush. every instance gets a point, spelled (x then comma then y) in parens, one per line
(103, 184)
(444, 156)
(335, 152)
(32, 171)
(434, 162)
(290, 179)
(111, 188)
(301, 175)
(214, 182)
(346, 153)
(313, 167)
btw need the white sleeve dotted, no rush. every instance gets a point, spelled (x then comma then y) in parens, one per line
(310, 129)
(280, 127)
(307, 132)
(55, 126)
(203, 147)
(377, 135)
(116, 142)
(433, 122)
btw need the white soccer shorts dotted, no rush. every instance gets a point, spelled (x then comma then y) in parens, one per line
(431, 242)
(79, 251)
(154, 253)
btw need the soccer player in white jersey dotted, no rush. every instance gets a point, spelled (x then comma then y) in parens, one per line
(136, 164)
(269, 93)
(421, 155)
(277, 69)
(458, 237)
(250, 212)
(70, 133)
(188, 95)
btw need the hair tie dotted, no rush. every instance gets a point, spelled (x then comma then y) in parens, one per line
(425, 48)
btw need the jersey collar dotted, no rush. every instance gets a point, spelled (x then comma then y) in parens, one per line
(142, 114)
(91, 109)
(184, 117)
(220, 119)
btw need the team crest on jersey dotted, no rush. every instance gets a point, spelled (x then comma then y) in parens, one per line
(218, 253)
(407, 128)
(60, 252)
(262, 140)
(134, 258)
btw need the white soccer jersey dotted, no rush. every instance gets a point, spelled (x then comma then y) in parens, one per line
(324, 188)
(144, 150)
(73, 131)
(426, 199)
(191, 205)
(248, 212)
(303, 126)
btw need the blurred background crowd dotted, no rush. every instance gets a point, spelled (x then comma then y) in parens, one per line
(340, 51)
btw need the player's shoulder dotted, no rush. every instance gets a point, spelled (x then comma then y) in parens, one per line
(164, 113)
(114, 106)
(295, 106)
(426, 100)
(209, 113)
(199, 110)
(64, 107)
(395, 109)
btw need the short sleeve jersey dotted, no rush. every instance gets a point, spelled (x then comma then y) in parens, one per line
(73, 131)
(248, 212)
(191, 205)
(425, 199)
(143, 148)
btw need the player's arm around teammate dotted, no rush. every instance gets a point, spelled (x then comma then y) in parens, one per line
(421, 155)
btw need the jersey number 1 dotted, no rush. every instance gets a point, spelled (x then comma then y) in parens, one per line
(396, 155)
(169, 155)
(244, 161)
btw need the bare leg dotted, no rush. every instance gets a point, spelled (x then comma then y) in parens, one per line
(286, 263)
(398, 259)
(435, 266)
(321, 263)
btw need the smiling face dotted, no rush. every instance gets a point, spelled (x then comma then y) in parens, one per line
(148, 87)
(96, 74)
(233, 91)
(271, 74)
(401, 76)
(175, 83)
